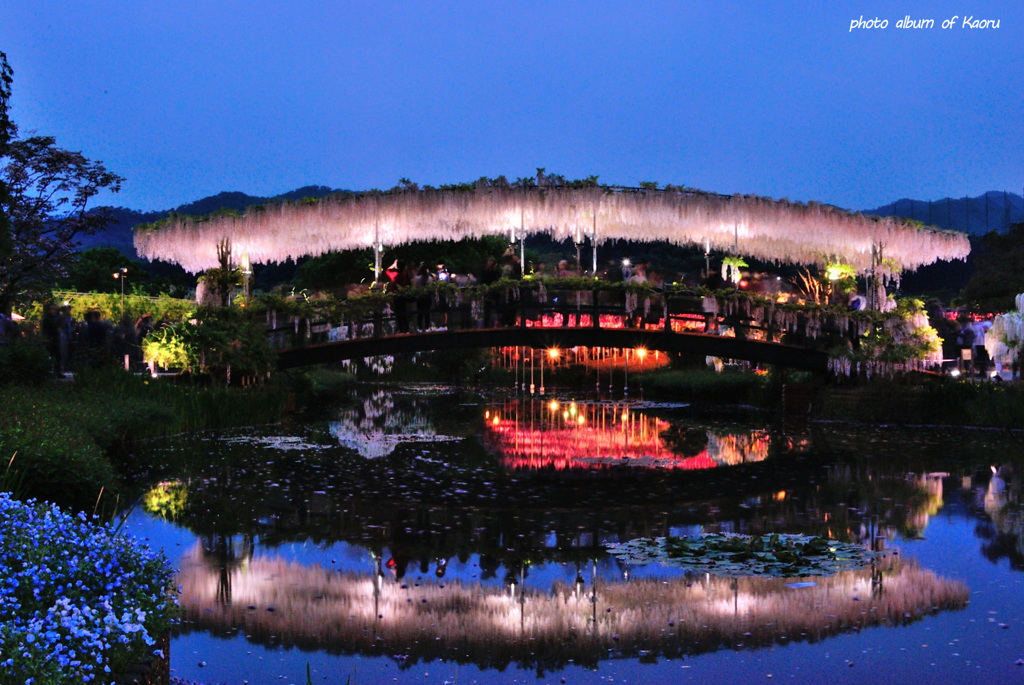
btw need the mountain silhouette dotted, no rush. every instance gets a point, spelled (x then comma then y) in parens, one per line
(995, 211)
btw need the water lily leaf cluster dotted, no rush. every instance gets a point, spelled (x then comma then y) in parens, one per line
(775, 554)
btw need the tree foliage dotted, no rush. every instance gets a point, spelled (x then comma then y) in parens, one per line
(219, 342)
(93, 271)
(47, 205)
(7, 131)
(998, 271)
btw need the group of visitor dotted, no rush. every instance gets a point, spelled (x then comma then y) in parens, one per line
(92, 340)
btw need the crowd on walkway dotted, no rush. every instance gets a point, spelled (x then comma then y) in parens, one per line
(92, 340)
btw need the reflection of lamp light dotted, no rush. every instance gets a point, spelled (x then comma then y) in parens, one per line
(531, 371)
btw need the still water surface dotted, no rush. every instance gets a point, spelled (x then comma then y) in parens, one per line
(424, 535)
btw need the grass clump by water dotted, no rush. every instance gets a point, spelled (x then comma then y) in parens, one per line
(79, 603)
(74, 439)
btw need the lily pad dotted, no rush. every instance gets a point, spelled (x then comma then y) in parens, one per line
(775, 554)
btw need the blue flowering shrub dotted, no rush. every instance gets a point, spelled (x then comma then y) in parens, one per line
(79, 603)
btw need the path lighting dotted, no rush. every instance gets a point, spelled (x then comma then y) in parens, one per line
(120, 275)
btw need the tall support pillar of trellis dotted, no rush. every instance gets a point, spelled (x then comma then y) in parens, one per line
(875, 286)
(522, 242)
(378, 249)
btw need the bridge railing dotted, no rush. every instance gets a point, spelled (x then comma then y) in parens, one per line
(573, 303)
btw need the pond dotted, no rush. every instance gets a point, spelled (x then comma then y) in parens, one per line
(428, 534)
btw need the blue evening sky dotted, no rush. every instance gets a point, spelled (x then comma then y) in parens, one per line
(189, 98)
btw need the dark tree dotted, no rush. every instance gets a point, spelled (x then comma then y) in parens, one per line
(998, 271)
(93, 271)
(47, 206)
(7, 132)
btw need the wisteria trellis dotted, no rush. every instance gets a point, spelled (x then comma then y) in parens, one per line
(756, 227)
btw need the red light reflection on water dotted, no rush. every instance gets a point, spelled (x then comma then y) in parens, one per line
(535, 434)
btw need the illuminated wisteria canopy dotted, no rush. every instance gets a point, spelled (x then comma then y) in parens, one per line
(750, 226)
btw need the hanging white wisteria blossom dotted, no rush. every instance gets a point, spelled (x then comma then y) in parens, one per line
(1006, 337)
(756, 227)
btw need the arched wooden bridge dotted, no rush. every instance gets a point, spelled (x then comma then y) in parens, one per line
(679, 326)
(543, 338)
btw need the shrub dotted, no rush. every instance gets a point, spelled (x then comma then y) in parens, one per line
(24, 361)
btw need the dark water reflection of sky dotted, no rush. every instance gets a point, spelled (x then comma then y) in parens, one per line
(818, 479)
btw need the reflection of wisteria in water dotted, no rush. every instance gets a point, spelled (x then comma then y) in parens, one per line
(1000, 507)
(315, 607)
(566, 435)
(377, 426)
(734, 448)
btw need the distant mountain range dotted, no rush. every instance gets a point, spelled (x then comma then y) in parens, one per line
(995, 210)
(119, 233)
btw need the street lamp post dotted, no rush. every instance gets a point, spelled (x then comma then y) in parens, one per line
(120, 275)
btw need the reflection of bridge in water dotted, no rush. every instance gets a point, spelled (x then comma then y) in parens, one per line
(613, 318)
(584, 622)
(590, 435)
